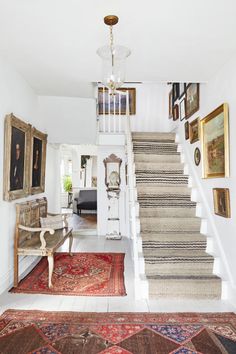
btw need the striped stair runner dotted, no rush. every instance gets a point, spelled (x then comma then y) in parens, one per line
(174, 250)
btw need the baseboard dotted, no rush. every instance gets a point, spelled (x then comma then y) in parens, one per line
(26, 264)
(232, 295)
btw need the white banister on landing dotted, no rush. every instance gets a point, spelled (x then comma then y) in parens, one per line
(111, 118)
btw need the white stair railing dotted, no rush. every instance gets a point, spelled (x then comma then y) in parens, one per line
(111, 120)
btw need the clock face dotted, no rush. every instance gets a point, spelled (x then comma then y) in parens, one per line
(114, 179)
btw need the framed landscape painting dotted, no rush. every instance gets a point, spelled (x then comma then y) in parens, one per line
(221, 202)
(104, 98)
(192, 103)
(16, 158)
(38, 161)
(215, 143)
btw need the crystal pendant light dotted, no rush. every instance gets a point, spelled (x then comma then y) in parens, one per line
(113, 59)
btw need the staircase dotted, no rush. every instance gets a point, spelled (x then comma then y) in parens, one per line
(172, 247)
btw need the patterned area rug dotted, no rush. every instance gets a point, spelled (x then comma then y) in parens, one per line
(37, 332)
(84, 274)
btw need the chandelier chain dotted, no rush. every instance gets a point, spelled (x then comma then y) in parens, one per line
(111, 38)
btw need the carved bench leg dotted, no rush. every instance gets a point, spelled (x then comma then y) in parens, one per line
(70, 243)
(50, 270)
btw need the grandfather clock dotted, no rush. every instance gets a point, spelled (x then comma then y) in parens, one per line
(112, 180)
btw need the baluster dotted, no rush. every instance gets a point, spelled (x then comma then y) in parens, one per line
(119, 121)
(103, 104)
(114, 113)
(109, 111)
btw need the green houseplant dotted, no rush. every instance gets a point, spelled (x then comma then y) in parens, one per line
(67, 183)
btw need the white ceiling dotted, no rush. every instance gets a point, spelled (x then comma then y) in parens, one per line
(53, 43)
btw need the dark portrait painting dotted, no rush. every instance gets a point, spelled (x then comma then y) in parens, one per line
(17, 159)
(37, 161)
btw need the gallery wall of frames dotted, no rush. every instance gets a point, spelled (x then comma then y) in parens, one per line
(24, 159)
(213, 133)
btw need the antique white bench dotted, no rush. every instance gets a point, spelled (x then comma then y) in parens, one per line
(33, 240)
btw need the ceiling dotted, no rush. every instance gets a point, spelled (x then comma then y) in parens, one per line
(53, 43)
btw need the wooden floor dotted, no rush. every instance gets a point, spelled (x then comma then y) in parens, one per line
(83, 221)
(107, 304)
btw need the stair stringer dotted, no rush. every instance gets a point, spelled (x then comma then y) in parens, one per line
(141, 282)
(208, 227)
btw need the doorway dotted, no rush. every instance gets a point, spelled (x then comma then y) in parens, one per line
(79, 185)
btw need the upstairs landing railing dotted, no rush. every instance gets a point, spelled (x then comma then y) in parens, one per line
(111, 111)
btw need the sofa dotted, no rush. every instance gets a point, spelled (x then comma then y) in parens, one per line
(85, 199)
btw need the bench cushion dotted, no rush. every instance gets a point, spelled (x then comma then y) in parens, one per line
(53, 242)
(53, 222)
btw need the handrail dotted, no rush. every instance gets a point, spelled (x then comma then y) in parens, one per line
(131, 188)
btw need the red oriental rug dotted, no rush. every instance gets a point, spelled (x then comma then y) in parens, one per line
(83, 274)
(39, 332)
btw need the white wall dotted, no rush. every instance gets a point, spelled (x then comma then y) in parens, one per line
(53, 178)
(220, 89)
(68, 120)
(15, 96)
(151, 108)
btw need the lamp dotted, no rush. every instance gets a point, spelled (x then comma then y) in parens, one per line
(113, 59)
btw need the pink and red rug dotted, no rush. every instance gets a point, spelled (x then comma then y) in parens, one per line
(39, 332)
(84, 274)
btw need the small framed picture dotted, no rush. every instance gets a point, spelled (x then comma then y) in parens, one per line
(171, 103)
(176, 112)
(175, 91)
(194, 131)
(197, 156)
(182, 109)
(182, 89)
(221, 202)
(186, 129)
(192, 103)
(38, 161)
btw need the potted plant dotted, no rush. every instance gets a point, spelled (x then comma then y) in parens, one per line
(67, 185)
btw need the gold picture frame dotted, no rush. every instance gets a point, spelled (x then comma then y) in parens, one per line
(221, 202)
(16, 158)
(37, 161)
(215, 143)
(103, 107)
(194, 131)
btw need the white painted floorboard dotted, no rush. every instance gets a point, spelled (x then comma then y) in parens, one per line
(107, 304)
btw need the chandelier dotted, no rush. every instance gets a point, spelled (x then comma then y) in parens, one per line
(113, 59)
